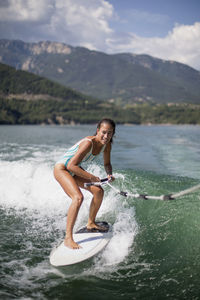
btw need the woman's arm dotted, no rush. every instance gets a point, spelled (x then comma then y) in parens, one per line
(107, 163)
(73, 164)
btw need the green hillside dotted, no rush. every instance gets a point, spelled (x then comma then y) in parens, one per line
(14, 81)
(26, 98)
(121, 78)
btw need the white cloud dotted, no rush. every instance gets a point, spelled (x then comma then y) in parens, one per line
(74, 22)
(182, 44)
(24, 10)
(87, 23)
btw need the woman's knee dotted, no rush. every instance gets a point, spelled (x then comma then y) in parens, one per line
(98, 191)
(77, 199)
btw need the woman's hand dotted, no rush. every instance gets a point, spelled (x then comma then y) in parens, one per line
(111, 178)
(94, 178)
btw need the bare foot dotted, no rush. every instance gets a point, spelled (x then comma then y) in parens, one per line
(71, 244)
(94, 226)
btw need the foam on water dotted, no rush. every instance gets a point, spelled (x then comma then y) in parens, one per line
(25, 185)
(124, 232)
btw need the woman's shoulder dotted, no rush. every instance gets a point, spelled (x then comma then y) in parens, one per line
(86, 142)
(90, 137)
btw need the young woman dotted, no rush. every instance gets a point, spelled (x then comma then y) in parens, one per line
(71, 175)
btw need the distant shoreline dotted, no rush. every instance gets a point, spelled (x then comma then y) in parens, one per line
(88, 124)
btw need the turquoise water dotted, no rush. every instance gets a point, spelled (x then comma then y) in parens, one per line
(155, 250)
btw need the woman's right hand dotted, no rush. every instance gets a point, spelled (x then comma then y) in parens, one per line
(94, 178)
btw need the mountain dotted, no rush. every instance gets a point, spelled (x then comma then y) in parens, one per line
(27, 98)
(121, 78)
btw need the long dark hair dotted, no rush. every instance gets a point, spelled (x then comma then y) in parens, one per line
(107, 121)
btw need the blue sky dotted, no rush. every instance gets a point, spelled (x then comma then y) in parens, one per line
(151, 18)
(167, 29)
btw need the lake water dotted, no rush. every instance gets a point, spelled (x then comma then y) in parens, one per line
(155, 250)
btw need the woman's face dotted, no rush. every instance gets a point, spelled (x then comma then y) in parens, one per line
(105, 133)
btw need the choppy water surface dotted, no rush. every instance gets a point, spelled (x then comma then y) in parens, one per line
(155, 249)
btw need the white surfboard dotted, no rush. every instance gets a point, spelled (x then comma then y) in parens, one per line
(91, 243)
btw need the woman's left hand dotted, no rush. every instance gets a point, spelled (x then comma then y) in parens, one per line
(111, 178)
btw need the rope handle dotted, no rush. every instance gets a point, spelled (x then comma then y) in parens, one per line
(144, 196)
(97, 183)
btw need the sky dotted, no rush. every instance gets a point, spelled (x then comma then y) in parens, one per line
(166, 29)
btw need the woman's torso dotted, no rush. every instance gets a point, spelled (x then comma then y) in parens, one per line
(89, 157)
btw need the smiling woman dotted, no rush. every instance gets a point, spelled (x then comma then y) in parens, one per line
(71, 175)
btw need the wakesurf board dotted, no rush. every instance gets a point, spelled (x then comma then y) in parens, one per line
(91, 242)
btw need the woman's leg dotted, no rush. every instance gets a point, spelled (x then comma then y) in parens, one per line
(71, 188)
(97, 199)
(97, 193)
